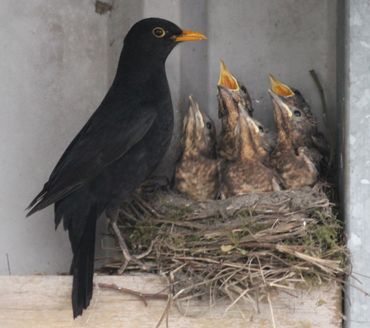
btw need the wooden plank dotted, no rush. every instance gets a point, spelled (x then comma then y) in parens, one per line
(44, 302)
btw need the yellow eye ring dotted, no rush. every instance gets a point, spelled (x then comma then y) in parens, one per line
(159, 32)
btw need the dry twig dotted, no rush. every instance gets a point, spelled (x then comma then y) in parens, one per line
(260, 242)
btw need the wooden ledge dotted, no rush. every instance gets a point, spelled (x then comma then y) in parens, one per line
(44, 302)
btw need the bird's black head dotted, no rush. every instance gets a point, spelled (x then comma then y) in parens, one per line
(156, 37)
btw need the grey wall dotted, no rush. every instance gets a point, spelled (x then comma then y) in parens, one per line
(53, 73)
(286, 38)
(59, 57)
(356, 101)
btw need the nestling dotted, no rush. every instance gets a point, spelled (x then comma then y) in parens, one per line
(247, 172)
(233, 98)
(302, 127)
(197, 172)
(292, 163)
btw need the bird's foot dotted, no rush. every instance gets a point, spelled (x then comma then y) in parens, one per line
(126, 253)
(113, 215)
(144, 206)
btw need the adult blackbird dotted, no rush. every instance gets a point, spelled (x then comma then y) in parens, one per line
(197, 172)
(117, 149)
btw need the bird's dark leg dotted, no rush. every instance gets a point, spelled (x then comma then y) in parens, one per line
(156, 183)
(112, 215)
(144, 206)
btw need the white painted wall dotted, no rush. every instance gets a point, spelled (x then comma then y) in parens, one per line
(57, 59)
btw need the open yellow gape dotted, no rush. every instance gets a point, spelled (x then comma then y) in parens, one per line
(226, 79)
(280, 88)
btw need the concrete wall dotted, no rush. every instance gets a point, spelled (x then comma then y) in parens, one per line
(58, 59)
(53, 71)
(356, 101)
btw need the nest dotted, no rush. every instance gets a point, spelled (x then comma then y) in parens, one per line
(240, 247)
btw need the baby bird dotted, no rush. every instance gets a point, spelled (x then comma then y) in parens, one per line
(247, 172)
(197, 172)
(302, 127)
(233, 98)
(293, 163)
(239, 91)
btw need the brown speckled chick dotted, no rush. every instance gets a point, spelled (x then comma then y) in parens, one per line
(302, 126)
(294, 164)
(233, 98)
(247, 172)
(197, 172)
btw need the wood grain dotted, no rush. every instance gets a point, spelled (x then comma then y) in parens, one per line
(44, 302)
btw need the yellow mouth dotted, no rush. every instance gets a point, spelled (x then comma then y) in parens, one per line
(226, 79)
(280, 88)
(188, 35)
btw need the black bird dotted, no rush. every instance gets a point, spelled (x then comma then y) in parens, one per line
(117, 149)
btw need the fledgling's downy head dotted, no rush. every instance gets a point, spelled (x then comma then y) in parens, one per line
(291, 95)
(293, 116)
(251, 143)
(236, 91)
(199, 133)
(232, 100)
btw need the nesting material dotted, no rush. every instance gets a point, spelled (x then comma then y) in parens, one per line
(241, 247)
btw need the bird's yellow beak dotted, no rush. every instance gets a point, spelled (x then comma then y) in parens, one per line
(188, 35)
(226, 79)
(280, 88)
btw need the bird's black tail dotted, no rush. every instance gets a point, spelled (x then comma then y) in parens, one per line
(82, 267)
(79, 215)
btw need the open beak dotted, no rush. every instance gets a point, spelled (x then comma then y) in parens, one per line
(188, 35)
(280, 88)
(279, 103)
(226, 79)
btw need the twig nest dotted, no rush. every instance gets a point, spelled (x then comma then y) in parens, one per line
(238, 246)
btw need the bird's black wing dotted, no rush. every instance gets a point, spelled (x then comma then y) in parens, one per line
(107, 136)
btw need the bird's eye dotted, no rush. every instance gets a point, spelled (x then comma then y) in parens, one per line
(260, 128)
(159, 32)
(297, 113)
(209, 126)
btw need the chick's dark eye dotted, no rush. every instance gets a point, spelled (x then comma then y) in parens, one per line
(260, 128)
(209, 126)
(159, 32)
(297, 113)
